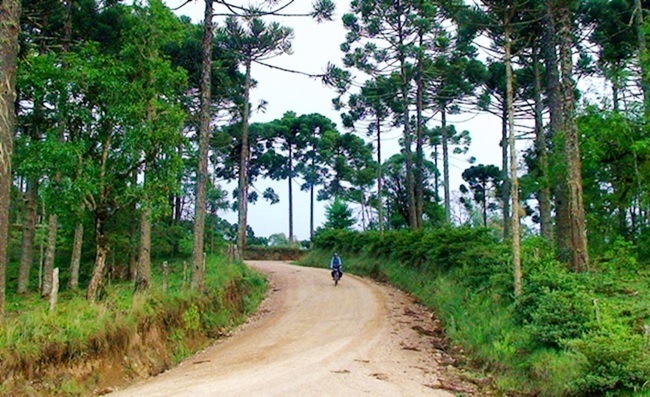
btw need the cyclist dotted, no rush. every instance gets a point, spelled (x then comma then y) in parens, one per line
(336, 265)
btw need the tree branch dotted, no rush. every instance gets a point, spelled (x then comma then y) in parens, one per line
(313, 76)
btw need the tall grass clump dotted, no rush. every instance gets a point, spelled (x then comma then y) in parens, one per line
(568, 334)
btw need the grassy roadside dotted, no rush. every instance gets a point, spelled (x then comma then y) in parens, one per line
(569, 335)
(85, 348)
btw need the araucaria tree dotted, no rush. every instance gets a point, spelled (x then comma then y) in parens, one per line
(381, 41)
(252, 41)
(243, 37)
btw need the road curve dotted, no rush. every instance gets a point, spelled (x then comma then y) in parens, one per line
(312, 339)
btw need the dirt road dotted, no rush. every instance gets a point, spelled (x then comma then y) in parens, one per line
(311, 338)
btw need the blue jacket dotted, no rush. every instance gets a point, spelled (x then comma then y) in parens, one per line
(340, 262)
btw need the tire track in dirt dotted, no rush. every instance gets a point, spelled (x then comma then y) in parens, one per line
(310, 338)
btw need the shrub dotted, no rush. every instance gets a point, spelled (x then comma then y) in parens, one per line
(620, 256)
(555, 305)
(614, 359)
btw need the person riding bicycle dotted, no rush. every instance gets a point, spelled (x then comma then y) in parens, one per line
(336, 265)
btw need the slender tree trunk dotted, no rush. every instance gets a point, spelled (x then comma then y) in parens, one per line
(311, 202)
(29, 231)
(75, 262)
(380, 209)
(560, 189)
(67, 25)
(50, 254)
(505, 172)
(642, 55)
(419, 143)
(578, 233)
(134, 235)
(484, 187)
(176, 220)
(102, 250)
(445, 162)
(311, 211)
(243, 166)
(615, 91)
(290, 195)
(436, 179)
(544, 193)
(101, 217)
(143, 271)
(178, 208)
(514, 180)
(9, 29)
(204, 137)
(408, 154)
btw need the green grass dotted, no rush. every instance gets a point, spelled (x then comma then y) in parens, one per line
(32, 338)
(610, 360)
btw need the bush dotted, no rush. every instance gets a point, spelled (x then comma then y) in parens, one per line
(555, 305)
(620, 256)
(437, 249)
(614, 360)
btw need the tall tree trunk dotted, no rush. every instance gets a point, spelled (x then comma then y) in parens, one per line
(290, 195)
(578, 233)
(444, 138)
(311, 203)
(134, 234)
(544, 193)
(408, 153)
(204, 137)
(102, 250)
(101, 217)
(75, 262)
(29, 231)
(243, 165)
(560, 189)
(514, 180)
(505, 172)
(9, 28)
(419, 145)
(380, 209)
(615, 91)
(311, 212)
(176, 220)
(178, 208)
(643, 50)
(50, 254)
(484, 187)
(436, 178)
(143, 271)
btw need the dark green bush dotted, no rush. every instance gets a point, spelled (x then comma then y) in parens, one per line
(614, 360)
(556, 305)
(436, 249)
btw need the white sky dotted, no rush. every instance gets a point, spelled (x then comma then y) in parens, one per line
(314, 46)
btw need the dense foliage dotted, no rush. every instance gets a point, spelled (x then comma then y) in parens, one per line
(119, 122)
(581, 334)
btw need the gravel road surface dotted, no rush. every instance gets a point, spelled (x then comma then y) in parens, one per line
(310, 338)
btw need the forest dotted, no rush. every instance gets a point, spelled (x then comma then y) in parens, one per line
(121, 123)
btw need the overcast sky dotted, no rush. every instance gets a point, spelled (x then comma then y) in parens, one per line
(314, 46)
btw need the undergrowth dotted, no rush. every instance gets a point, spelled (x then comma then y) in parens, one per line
(160, 326)
(568, 334)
